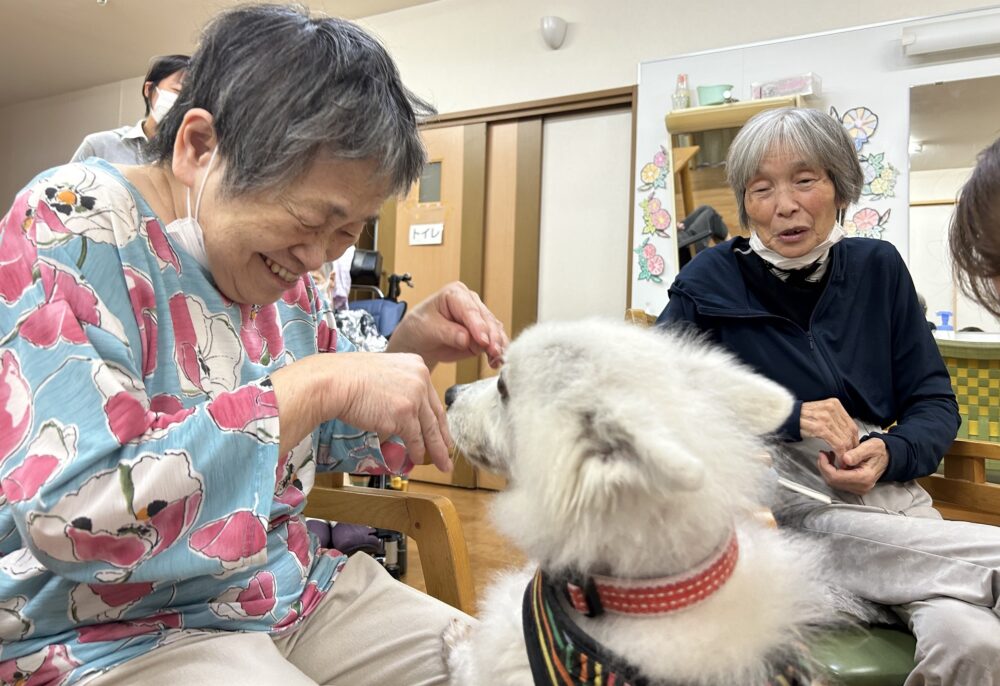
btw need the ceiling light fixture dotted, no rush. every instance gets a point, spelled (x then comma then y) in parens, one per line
(951, 34)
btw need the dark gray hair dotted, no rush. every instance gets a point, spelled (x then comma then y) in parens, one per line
(974, 235)
(818, 137)
(284, 87)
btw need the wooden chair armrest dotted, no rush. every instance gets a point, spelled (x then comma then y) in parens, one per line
(431, 520)
(966, 459)
(963, 493)
(964, 500)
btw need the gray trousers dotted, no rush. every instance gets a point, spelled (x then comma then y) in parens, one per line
(892, 547)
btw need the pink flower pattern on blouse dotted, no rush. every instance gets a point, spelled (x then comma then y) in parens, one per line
(139, 439)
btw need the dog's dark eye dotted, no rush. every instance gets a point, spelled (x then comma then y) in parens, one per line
(502, 389)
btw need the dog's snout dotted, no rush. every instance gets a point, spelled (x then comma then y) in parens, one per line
(452, 393)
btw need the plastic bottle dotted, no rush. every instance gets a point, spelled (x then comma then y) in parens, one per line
(682, 95)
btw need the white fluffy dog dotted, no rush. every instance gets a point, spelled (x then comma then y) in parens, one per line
(632, 459)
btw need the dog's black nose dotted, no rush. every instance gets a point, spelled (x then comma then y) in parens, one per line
(452, 393)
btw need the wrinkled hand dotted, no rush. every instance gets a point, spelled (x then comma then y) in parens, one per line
(451, 325)
(389, 394)
(829, 421)
(858, 470)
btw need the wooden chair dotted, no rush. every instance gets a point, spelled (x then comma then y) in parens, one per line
(431, 520)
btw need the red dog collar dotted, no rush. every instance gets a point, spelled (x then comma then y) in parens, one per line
(656, 596)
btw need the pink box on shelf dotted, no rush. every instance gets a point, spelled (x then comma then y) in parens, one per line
(804, 84)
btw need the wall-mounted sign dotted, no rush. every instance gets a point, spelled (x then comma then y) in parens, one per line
(426, 234)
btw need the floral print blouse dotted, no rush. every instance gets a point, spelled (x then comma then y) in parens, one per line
(143, 496)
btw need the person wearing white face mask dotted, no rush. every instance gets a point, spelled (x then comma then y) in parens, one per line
(127, 144)
(837, 321)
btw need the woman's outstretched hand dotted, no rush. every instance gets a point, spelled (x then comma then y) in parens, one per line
(389, 394)
(451, 325)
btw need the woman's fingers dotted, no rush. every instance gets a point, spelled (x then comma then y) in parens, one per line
(486, 334)
(441, 415)
(829, 421)
(859, 480)
(423, 415)
(433, 437)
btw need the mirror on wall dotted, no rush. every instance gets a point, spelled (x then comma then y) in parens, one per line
(950, 122)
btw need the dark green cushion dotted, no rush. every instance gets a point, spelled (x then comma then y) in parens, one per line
(866, 656)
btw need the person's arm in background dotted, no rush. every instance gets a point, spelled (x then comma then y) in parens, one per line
(928, 418)
(85, 150)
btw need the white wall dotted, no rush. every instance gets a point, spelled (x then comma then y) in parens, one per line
(930, 262)
(40, 134)
(584, 215)
(465, 54)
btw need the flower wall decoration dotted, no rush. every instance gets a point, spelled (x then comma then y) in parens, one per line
(655, 218)
(880, 176)
(867, 223)
(651, 264)
(655, 174)
(860, 122)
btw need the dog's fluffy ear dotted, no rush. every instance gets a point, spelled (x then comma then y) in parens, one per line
(625, 459)
(759, 403)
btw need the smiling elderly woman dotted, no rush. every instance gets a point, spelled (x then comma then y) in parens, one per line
(836, 321)
(171, 382)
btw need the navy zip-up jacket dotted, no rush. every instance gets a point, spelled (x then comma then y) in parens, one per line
(868, 345)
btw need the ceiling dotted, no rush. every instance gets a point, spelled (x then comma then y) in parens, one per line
(57, 46)
(954, 121)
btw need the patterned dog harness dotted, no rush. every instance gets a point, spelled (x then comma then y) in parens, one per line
(560, 653)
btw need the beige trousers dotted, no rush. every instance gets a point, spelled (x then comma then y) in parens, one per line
(370, 629)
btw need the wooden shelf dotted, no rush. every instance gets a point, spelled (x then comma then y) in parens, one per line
(736, 114)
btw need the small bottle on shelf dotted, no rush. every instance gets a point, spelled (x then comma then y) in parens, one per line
(682, 95)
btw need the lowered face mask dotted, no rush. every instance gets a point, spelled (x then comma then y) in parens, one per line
(187, 231)
(782, 262)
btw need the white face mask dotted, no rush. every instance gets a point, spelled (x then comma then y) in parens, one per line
(187, 231)
(782, 262)
(164, 101)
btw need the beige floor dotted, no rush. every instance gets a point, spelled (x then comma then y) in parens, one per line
(488, 550)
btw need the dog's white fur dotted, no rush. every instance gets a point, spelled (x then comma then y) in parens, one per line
(629, 453)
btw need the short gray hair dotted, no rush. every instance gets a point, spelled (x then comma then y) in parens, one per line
(818, 137)
(284, 87)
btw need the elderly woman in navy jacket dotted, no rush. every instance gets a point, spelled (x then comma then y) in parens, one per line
(836, 320)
